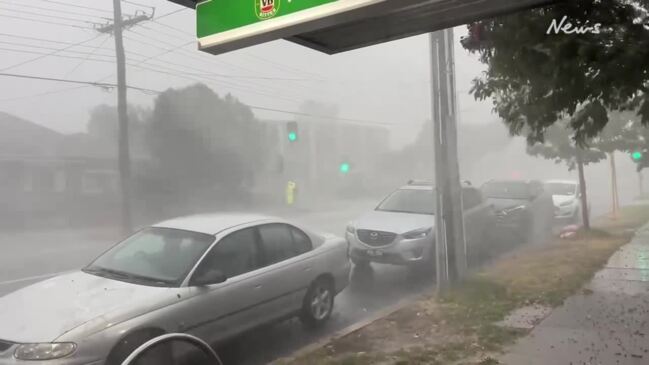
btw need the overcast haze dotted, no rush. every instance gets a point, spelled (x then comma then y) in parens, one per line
(388, 83)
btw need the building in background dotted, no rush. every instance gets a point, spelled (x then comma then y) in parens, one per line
(325, 159)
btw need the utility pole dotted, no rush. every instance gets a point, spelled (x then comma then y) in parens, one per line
(449, 223)
(124, 156)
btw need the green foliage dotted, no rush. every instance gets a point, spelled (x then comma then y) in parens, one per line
(200, 141)
(536, 79)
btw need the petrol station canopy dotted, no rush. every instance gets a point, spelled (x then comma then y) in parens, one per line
(333, 26)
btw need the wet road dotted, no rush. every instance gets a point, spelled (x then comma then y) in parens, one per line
(34, 256)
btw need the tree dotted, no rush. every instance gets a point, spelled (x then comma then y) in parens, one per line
(536, 79)
(203, 144)
(103, 122)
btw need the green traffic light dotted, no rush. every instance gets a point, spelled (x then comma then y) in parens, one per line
(344, 167)
(636, 156)
(292, 136)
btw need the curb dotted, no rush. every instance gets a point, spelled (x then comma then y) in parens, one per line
(349, 329)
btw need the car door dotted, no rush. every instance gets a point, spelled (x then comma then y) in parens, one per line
(288, 270)
(221, 310)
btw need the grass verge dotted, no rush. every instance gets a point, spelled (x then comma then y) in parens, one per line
(460, 327)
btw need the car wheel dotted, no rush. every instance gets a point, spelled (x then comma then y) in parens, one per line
(318, 303)
(162, 356)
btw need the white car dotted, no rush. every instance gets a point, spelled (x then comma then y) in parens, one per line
(212, 276)
(566, 197)
(401, 230)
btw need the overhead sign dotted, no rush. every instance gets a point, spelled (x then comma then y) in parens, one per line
(333, 26)
(225, 25)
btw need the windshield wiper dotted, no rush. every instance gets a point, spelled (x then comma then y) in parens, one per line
(126, 276)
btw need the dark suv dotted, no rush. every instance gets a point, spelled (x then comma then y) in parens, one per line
(522, 207)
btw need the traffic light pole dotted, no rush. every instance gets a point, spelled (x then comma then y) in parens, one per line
(449, 223)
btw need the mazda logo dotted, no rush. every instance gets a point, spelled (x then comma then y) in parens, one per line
(374, 235)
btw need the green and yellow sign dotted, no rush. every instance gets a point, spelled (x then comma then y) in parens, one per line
(218, 16)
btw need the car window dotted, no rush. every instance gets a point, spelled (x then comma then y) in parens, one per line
(301, 240)
(278, 243)
(161, 254)
(471, 198)
(235, 254)
(417, 201)
(506, 190)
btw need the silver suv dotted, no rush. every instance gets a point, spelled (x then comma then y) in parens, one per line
(400, 230)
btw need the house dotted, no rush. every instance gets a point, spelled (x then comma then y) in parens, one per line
(47, 177)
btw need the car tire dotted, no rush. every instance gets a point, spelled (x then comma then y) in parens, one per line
(318, 303)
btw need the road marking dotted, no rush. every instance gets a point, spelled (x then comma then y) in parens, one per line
(30, 278)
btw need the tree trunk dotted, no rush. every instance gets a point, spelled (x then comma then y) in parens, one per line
(582, 187)
(614, 192)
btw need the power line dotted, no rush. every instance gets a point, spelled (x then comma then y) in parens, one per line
(43, 21)
(97, 48)
(48, 54)
(77, 6)
(137, 4)
(49, 48)
(91, 83)
(171, 13)
(250, 84)
(49, 9)
(47, 16)
(57, 91)
(52, 55)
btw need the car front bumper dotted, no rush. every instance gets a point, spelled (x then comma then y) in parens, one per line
(400, 252)
(566, 212)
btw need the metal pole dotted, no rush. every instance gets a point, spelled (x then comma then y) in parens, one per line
(449, 223)
(441, 251)
(124, 160)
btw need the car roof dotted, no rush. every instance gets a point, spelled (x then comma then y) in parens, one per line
(573, 182)
(215, 222)
(427, 185)
(512, 181)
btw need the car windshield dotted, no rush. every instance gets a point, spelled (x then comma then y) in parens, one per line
(409, 201)
(157, 256)
(561, 188)
(506, 190)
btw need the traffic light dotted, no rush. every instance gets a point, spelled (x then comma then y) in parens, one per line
(291, 131)
(640, 158)
(344, 167)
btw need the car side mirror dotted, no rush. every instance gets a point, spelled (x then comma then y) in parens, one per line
(209, 277)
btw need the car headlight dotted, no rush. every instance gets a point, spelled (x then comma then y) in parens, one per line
(417, 233)
(351, 229)
(44, 351)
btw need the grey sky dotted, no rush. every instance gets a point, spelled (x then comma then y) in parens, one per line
(386, 83)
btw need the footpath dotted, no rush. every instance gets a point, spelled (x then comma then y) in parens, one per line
(607, 323)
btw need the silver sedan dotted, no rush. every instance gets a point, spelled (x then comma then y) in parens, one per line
(213, 276)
